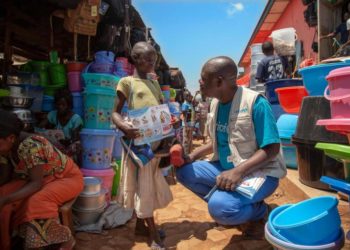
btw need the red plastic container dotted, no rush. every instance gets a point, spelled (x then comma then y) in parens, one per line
(291, 98)
(75, 66)
(341, 126)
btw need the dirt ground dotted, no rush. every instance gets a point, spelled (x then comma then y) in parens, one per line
(188, 225)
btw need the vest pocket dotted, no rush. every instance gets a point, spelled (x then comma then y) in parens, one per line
(242, 130)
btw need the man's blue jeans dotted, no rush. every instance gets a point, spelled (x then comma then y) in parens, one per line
(225, 207)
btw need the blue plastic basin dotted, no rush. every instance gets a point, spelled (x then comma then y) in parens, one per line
(272, 85)
(314, 77)
(272, 215)
(286, 125)
(310, 222)
(277, 111)
(282, 245)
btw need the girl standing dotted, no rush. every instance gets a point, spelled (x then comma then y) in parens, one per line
(143, 189)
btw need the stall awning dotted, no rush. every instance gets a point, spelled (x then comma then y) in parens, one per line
(272, 13)
(244, 80)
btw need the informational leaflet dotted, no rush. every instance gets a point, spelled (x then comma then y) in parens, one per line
(153, 122)
(251, 184)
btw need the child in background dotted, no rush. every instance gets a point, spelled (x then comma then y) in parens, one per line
(145, 188)
(63, 118)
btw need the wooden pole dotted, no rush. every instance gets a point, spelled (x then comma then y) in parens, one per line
(75, 48)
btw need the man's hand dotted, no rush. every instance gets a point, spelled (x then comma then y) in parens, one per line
(228, 180)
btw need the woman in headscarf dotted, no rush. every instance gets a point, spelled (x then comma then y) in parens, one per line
(43, 179)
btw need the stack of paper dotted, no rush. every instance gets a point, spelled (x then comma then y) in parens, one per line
(251, 184)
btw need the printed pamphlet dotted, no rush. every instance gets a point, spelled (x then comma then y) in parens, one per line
(154, 123)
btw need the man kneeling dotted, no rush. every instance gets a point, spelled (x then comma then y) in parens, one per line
(244, 140)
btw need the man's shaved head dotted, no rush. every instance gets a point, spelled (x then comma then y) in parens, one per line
(220, 66)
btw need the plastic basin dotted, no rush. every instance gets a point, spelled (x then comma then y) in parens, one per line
(74, 81)
(336, 151)
(101, 68)
(100, 80)
(341, 126)
(291, 98)
(287, 125)
(97, 148)
(277, 111)
(117, 148)
(289, 153)
(314, 77)
(280, 244)
(104, 56)
(272, 215)
(337, 184)
(275, 84)
(98, 108)
(303, 218)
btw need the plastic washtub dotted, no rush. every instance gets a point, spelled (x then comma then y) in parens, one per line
(314, 77)
(338, 152)
(282, 245)
(97, 147)
(286, 125)
(98, 107)
(100, 80)
(104, 56)
(272, 215)
(341, 126)
(338, 81)
(291, 98)
(301, 219)
(281, 83)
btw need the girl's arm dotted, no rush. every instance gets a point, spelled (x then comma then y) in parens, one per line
(118, 120)
(35, 183)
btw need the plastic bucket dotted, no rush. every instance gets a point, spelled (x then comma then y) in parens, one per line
(341, 126)
(289, 153)
(101, 68)
(106, 175)
(97, 148)
(98, 108)
(57, 74)
(256, 48)
(301, 219)
(272, 85)
(75, 66)
(314, 163)
(291, 98)
(272, 215)
(78, 104)
(74, 81)
(277, 111)
(313, 109)
(287, 125)
(283, 245)
(314, 77)
(104, 56)
(117, 147)
(100, 80)
(338, 82)
(47, 104)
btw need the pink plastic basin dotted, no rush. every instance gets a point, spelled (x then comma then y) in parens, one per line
(341, 126)
(106, 175)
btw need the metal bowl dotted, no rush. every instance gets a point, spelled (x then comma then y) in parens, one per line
(17, 101)
(92, 185)
(23, 114)
(90, 201)
(86, 217)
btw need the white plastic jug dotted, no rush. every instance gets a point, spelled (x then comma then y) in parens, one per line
(284, 41)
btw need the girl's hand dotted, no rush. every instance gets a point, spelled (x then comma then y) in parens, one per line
(130, 132)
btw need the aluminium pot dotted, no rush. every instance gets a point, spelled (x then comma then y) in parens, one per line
(86, 217)
(92, 185)
(90, 201)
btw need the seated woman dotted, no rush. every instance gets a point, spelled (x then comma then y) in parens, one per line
(43, 179)
(63, 118)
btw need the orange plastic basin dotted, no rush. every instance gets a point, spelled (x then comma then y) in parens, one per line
(291, 98)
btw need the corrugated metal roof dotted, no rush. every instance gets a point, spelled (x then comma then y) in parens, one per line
(270, 16)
